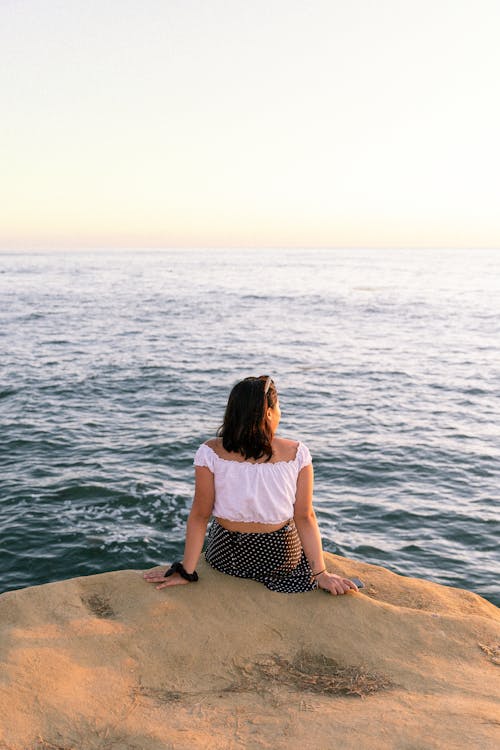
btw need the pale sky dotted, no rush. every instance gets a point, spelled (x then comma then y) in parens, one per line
(301, 123)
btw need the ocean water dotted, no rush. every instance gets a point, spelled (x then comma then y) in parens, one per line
(116, 365)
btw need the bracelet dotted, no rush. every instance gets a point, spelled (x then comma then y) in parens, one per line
(178, 567)
(320, 572)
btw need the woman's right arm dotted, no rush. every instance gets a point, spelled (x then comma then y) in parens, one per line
(201, 510)
(310, 537)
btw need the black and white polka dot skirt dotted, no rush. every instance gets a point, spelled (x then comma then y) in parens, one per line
(276, 558)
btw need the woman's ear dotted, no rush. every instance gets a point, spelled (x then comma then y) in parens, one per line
(269, 414)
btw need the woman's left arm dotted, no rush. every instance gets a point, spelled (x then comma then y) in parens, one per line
(310, 537)
(201, 510)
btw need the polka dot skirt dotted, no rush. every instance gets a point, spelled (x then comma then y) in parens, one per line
(276, 558)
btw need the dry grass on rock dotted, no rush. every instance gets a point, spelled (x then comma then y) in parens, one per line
(309, 672)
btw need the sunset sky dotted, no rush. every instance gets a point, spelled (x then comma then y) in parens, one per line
(301, 123)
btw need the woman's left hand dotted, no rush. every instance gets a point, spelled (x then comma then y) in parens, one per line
(335, 584)
(158, 576)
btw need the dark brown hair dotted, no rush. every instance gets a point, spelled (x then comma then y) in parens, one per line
(245, 429)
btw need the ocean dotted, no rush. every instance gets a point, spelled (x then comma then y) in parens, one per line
(116, 365)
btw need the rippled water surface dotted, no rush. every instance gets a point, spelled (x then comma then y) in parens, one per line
(116, 365)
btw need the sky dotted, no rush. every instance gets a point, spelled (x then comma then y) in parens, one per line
(259, 123)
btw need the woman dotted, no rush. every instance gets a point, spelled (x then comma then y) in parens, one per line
(259, 488)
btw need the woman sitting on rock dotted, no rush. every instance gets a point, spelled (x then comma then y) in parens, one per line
(259, 488)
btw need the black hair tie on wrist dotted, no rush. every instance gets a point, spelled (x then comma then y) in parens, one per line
(178, 567)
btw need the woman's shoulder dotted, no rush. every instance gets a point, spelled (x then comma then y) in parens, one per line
(205, 455)
(291, 451)
(285, 442)
(216, 448)
(214, 443)
(285, 449)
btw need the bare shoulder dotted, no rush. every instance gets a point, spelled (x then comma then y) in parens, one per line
(285, 449)
(214, 443)
(286, 442)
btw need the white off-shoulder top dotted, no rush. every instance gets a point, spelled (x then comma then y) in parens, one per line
(258, 492)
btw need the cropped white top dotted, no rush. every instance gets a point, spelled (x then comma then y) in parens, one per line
(258, 492)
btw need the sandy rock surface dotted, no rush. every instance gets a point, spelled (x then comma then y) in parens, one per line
(107, 662)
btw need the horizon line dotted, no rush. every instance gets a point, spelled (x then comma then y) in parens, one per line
(163, 248)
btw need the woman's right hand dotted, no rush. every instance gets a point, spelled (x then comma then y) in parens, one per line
(158, 576)
(335, 584)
